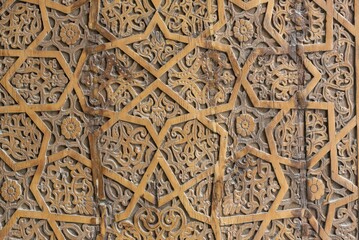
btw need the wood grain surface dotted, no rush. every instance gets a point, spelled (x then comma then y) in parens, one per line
(179, 119)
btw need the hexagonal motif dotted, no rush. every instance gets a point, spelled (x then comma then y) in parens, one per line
(189, 18)
(67, 188)
(232, 119)
(70, 33)
(245, 30)
(111, 79)
(250, 186)
(20, 24)
(111, 17)
(69, 127)
(20, 138)
(127, 149)
(190, 149)
(247, 124)
(204, 78)
(40, 80)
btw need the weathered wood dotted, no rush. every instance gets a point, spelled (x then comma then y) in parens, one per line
(149, 119)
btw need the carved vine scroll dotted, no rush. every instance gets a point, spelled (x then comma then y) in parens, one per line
(173, 119)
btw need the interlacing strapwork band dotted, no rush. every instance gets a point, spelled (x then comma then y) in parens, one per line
(179, 119)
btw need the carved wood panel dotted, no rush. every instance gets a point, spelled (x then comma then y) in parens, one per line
(196, 119)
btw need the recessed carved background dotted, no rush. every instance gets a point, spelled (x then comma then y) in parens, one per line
(159, 119)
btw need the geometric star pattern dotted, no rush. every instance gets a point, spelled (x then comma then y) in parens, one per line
(159, 119)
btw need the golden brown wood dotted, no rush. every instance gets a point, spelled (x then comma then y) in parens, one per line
(168, 119)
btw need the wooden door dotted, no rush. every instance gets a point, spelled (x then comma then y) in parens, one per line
(196, 119)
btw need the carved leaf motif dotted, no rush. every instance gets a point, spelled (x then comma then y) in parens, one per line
(138, 15)
(127, 149)
(20, 138)
(178, 119)
(72, 190)
(190, 150)
(40, 80)
(204, 78)
(20, 25)
(157, 50)
(111, 79)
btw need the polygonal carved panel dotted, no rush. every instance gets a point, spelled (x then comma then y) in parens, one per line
(250, 186)
(20, 23)
(40, 80)
(111, 79)
(111, 16)
(204, 78)
(126, 149)
(190, 149)
(67, 188)
(189, 18)
(170, 119)
(20, 138)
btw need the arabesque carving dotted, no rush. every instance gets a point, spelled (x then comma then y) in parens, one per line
(179, 120)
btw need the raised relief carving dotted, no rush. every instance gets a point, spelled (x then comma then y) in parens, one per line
(169, 119)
